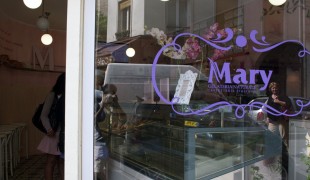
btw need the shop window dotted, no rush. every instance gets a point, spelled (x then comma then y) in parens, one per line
(124, 17)
(201, 113)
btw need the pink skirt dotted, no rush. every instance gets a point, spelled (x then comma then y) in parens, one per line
(49, 145)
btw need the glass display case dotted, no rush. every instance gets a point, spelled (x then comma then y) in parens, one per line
(299, 162)
(152, 138)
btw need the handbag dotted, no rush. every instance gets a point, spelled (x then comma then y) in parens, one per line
(52, 115)
(36, 118)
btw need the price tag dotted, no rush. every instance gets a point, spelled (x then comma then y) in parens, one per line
(191, 123)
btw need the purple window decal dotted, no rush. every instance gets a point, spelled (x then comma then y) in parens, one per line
(240, 76)
(253, 33)
(241, 41)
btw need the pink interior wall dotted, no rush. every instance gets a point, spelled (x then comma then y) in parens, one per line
(17, 40)
(22, 90)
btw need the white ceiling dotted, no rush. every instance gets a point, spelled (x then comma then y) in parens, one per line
(18, 11)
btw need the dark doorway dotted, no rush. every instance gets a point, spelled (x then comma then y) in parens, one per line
(285, 63)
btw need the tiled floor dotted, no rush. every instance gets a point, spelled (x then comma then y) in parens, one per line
(31, 169)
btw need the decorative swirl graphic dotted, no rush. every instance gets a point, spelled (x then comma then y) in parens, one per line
(253, 33)
(253, 38)
(211, 42)
(268, 109)
(239, 109)
(206, 110)
(230, 35)
(178, 48)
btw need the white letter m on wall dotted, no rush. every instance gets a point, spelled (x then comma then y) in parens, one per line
(36, 54)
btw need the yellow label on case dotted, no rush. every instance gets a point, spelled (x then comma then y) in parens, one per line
(191, 123)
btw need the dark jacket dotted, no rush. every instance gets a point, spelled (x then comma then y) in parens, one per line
(278, 107)
(60, 109)
(99, 117)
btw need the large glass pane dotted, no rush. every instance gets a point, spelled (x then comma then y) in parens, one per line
(198, 89)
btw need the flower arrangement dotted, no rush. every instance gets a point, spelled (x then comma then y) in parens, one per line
(191, 48)
(305, 158)
(214, 33)
(159, 35)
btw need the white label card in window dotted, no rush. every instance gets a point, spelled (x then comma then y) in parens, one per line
(185, 87)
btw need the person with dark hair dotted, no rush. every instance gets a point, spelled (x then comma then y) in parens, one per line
(281, 103)
(53, 104)
(100, 146)
(279, 124)
(112, 107)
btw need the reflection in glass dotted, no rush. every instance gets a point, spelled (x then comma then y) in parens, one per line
(147, 137)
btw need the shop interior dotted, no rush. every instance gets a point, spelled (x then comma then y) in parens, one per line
(153, 137)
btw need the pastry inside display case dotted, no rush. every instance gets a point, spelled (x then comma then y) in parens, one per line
(153, 138)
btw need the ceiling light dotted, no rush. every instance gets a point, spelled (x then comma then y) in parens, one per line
(277, 2)
(32, 4)
(43, 23)
(164, 0)
(46, 39)
(130, 52)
